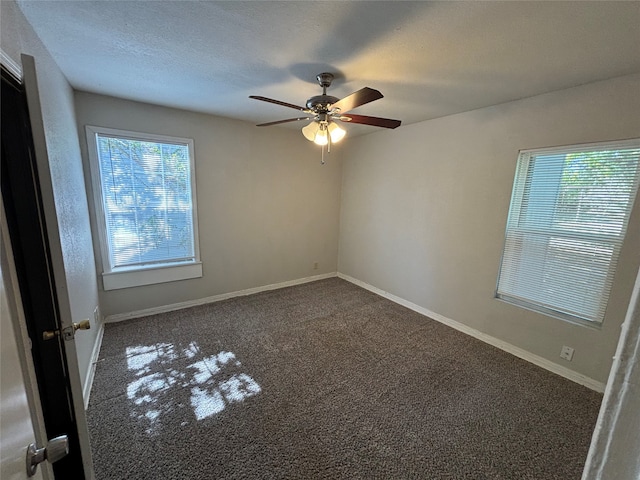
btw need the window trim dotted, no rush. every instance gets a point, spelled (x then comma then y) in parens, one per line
(125, 277)
(515, 210)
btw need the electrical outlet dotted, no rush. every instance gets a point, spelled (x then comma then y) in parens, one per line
(566, 353)
(315, 265)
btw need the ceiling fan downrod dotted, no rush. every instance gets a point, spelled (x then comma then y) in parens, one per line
(324, 79)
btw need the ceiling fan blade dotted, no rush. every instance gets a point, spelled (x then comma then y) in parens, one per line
(362, 96)
(278, 102)
(366, 120)
(283, 121)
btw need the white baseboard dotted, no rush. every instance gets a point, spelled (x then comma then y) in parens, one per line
(502, 345)
(91, 372)
(119, 317)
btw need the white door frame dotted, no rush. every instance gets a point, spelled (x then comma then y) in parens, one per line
(14, 310)
(615, 446)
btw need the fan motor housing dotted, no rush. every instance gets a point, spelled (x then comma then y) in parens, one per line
(321, 103)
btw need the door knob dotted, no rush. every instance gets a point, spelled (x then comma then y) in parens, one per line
(56, 449)
(69, 332)
(83, 325)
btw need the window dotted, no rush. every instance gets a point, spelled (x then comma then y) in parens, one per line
(569, 212)
(144, 190)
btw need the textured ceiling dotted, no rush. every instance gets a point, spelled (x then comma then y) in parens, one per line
(429, 59)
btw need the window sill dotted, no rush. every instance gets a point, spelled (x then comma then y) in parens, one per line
(150, 276)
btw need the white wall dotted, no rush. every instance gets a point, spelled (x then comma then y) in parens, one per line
(66, 171)
(424, 210)
(268, 210)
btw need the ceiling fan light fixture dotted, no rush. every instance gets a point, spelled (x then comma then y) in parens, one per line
(336, 132)
(310, 131)
(316, 132)
(319, 132)
(321, 136)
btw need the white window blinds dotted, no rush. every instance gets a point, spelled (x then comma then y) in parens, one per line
(147, 201)
(568, 217)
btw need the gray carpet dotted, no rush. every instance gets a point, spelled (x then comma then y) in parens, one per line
(326, 381)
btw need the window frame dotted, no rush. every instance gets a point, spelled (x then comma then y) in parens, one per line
(515, 212)
(133, 276)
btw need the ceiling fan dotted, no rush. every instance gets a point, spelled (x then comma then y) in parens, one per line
(325, 109)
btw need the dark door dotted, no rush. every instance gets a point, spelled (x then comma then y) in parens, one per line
(27, 229)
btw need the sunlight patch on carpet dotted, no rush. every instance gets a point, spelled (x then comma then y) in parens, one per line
(213, 380)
